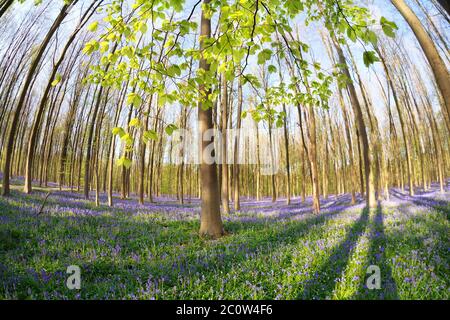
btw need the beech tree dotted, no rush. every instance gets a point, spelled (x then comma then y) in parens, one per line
(104, 119)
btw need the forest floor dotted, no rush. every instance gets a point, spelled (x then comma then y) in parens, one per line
(272, 251)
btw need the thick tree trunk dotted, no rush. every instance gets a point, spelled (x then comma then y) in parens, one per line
(210, 218)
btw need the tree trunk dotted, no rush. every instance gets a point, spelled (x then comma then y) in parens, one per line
(210, 218)
(437, 64)
(4, 6)
(445, 4)
(402, 124)
(237, 204)
(41, 107)
(370, 188)
(24, 91)
(224, 166)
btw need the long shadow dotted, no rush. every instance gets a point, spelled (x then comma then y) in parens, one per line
(377, 256)
(440, 206)
(323, 284)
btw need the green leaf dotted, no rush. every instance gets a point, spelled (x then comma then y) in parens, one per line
(272, 68)
(369, 58)
(143, 27)
(93, 26)
(134, 99)
(150, 135)
(170, 129)
(135, 122)
(388, 27)
(177, 5)
(90, 47)
(118, 131)
(104, 46)
(264, 55)
(174, 70)
(123, 161)
(351, 34)
(57, 80)
(222, 68)
(388, 31)
(372, 37)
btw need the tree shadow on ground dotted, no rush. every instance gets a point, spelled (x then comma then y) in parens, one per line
(248, 239)
(441, 206)
(377, 257)
(321, 287)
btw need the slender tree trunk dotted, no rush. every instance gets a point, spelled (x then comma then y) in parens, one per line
(402, 125)
(24, 91)
(112, 148)
(125, 171)
(224, 126)
(142, 151)
(311, 154)
(288, 166)
(4, 6)
(286, 141)
(370, 188)
(437, 64)
(446, 5)
(90, 137)
(272, 165)
(236, 166)
(41, 107)
(258, 165)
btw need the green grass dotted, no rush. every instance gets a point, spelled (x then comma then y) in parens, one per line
(122, 256)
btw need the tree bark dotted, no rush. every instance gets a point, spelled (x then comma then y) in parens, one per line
(224, 165)
(210, 219)
(236, 166)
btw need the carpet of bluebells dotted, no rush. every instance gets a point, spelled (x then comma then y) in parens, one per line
(271, 251)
